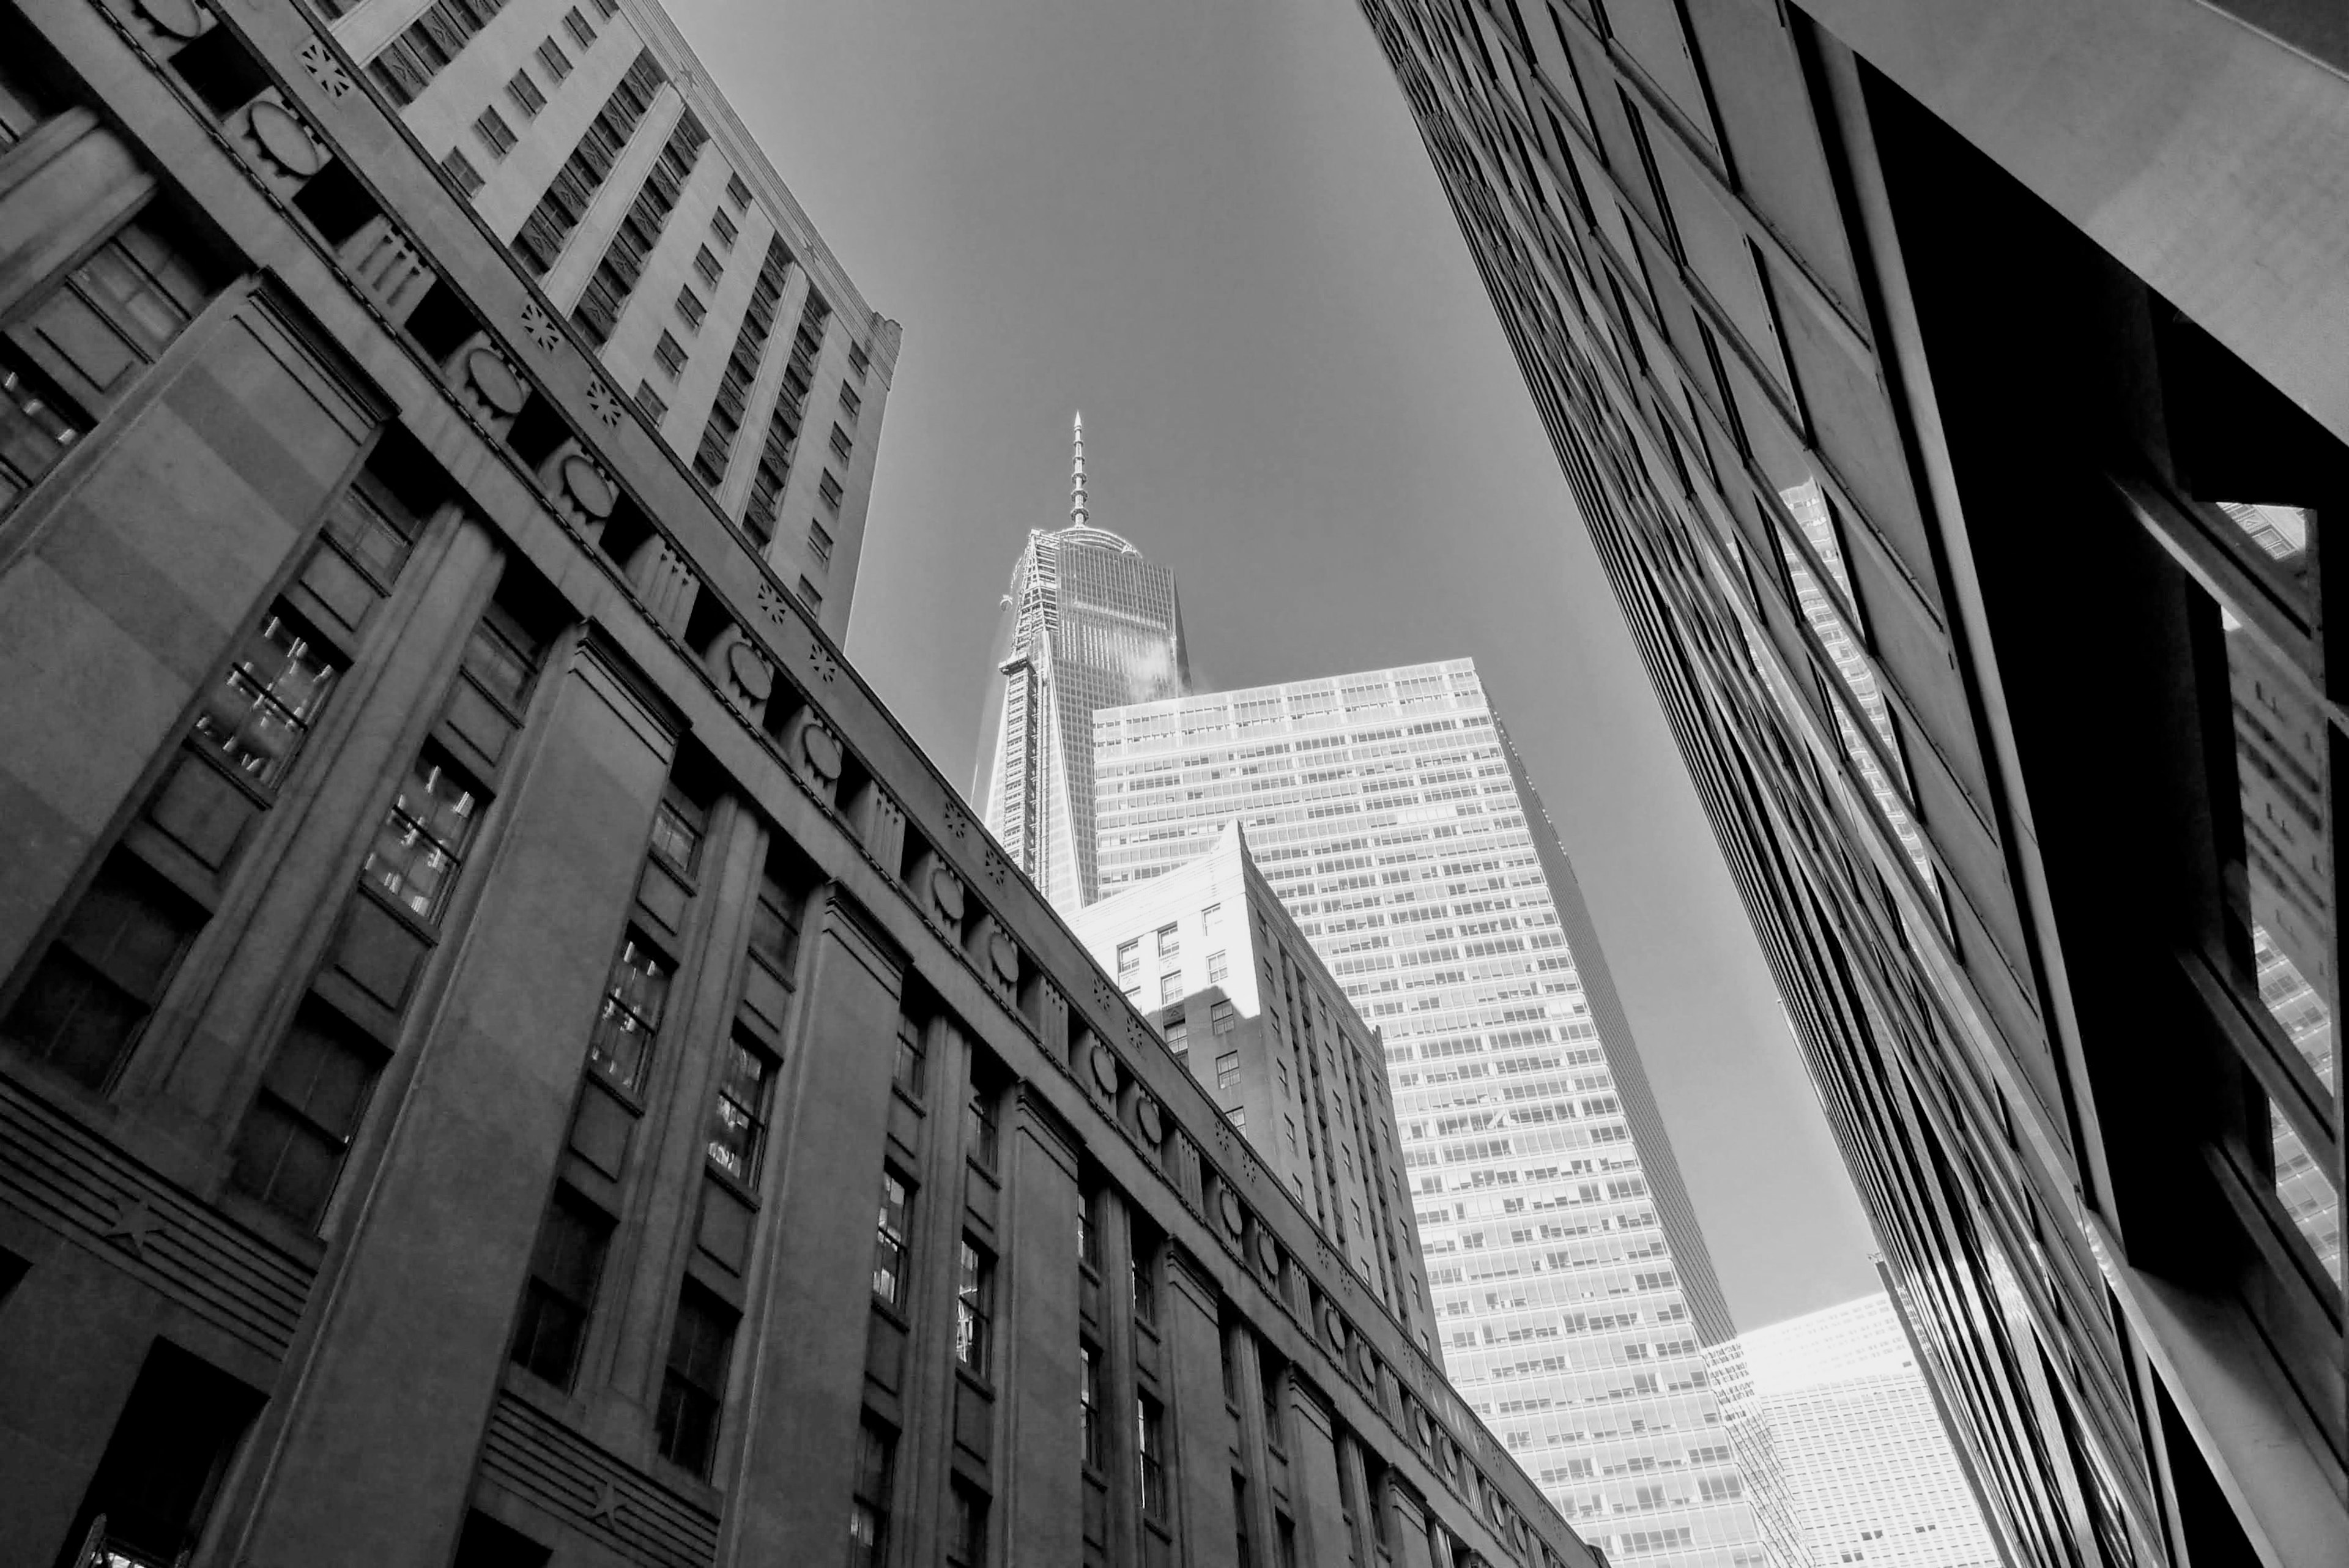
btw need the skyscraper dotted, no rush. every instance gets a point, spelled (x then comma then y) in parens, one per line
(1868, 1466)
(1941, 385)
(1089, 623)
(1574, 1296)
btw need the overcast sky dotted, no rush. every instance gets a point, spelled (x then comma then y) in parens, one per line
(1211, 225)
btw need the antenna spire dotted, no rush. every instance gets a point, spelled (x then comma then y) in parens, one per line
(1079, 512)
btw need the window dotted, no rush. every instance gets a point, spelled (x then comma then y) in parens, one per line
(1244, 1553)
(974, 1309)
(722, 225)
(858, 359)
(966, 1529)
(1170, 988)
(374, 536)
(1284, 1535)
(1142, 1248)
(1222, 1019)
(1211, 919)
(840, 448)
(495, 135)
(2309, 1198)
(91, 995)
(810, 598)
(1228, 1069)
(819, 544)
(738, 1123)
(576, 26)
(552, 60)
(1088, 1404)
(158, 1476)
(1270, 1376)
(1129, 959)
(1178, 1033)
(653, 405)
(775, 926)
(1170, 943)
(691, 309)
(851, 405)
(707, 266)
(981, 1133)
(525, 95)
(1720, 1489)
(1218, 968)
(622, 1046)
(290, 1150)
(1089, 1231)
(670, 353)
(501, 658)
(679, 824)
(693, 1387)
(1150, 1448)
(561, 1295)
(459, 168)
(889, 1243)
(868, 1513)
(736, 192)
(262, 710)
(913, 1056)
(828, 491)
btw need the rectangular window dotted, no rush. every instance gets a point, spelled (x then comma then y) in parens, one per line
(967, 1526)
(1178, 1034)
(868, 1513)
(2309, 1198)
(810, 596)
(707, 267)
(159, 1478)
(376, 532)
(889, 1243)
(981, 1132)
(678, 824)
(840, 447)
(655, 406)
(722, 225)
(1228, 1069)
(1089, 1403)
(738, 1123)
(1143, 1248)
(1170, 988)
(819, 544)
(736, 192)
(1218, 968)
(828, 491)
(775, 926)
(1211, 918)
(1150, 1447)
(1243, 1555)
(525, 95)
(1089, 1231)
(622, 1046)
(670, 353)
(459, 168)
(693, 1386)
(1222, 1018)
(858, 358)
(1129, 959)
(691, 309)
(851, 405)
(262, 709)
(552, 60)
(91, 995)
(495, 134)
(290, 1150)
(576, 26)
(913, 1056)
(556, 1303)
(1170, 943)
(421, 846)
(974, 1309)
(1270, 1376)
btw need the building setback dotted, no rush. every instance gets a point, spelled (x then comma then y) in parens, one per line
(508, 1054)
(1951, 394)
(1573, 1293)
(587, 139)
(1089, 622)
(1208, 954)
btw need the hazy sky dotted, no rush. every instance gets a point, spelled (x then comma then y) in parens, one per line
(1211, 225)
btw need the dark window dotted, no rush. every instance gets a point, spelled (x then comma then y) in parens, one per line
(868, 1513)
(810, 596)
(561, 1295)
(1089, 1403)
(693, 1389)
(1270, 1376)
(1089, 1230)
(723, 226)
(622, 1046)
(290, 1150)
(966, 1527)
(502, 656)
(486, 1543)
(839, 446)
(679, 824)
(524, 94)
(653, 405)
(670, 353)
(689, 307)
(34, 432)
(576, 24)
(1284, 1532)
(495, 134)
(375, 535)
(552, 60)
(889, 1242)
(827, 490)
(1150, 1447)
(1244, 1557)
(775, 926)
(913, 1056)
(736, 192)
(1144, 1245)
(709, 266)
(819, 544)
(86, 1003)
(858, 358)
(421, 844)
(974, 1307)
(738, 1123)
(261, 711)
(162, 1466)
(981, 1132)
(407, 64)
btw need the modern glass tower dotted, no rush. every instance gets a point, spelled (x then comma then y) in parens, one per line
(1089, 622)
(1573, 1292)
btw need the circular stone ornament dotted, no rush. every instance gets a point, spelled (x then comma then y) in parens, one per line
(946, 892)
(821, 749)
(285, 139)
(179, 18)
(1235, 1217)
(753, 676)
(589, 487)
(495, 379)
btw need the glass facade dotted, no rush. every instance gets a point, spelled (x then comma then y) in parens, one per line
(1572, 1295)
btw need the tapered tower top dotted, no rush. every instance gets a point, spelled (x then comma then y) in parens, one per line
(1078, 510)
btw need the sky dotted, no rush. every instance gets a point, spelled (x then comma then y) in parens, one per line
(1211, 225)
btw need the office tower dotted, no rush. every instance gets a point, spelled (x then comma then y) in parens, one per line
(587, 140)
(1868, 1466)
(1573, 1292)
(1208, 953)
(508, 1054)
(1089, 623)
(1941, 385)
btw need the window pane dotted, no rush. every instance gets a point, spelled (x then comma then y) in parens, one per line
(266, 702)
(2308, 1197)
(34, 433)
(622, 1045)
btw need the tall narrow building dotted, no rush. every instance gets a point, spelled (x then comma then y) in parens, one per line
(1954, 396)
(1574, 1296)
(1089, 623)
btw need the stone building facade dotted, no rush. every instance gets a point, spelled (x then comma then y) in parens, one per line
(508, 1054)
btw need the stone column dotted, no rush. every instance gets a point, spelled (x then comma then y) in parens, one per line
(1414, 1546)
(1199, 1428)
(416, 1321)
(1040, 1503)
(1313, 1475)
